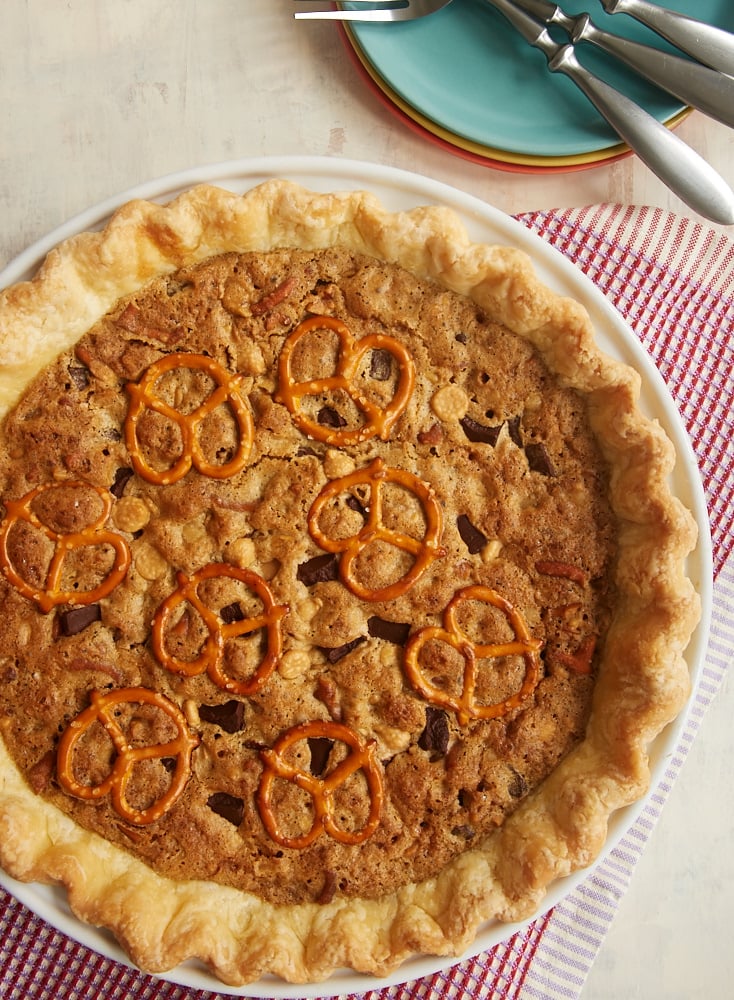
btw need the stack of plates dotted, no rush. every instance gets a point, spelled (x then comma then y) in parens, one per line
(464, 79)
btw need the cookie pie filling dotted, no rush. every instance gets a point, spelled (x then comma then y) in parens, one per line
(309, 565)
(239, 423)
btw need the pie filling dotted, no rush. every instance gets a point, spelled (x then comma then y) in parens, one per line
(307, 567)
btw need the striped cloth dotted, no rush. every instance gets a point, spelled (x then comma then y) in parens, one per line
(673, 281)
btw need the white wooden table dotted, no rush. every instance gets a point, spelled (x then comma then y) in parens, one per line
(99, 95)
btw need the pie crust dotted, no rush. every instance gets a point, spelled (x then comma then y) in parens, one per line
(642, 682)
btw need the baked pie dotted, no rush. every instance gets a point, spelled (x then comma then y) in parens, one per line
(342, 582)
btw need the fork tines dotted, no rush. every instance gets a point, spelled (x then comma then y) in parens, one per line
(380, 4)
(321, 9)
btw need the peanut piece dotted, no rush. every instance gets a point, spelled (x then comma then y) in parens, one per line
(294, 663)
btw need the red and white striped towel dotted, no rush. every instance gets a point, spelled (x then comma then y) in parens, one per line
(673, 281)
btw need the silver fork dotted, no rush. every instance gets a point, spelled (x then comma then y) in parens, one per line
(388, 10)
(710, 45)
(694, 84)
(676, 164)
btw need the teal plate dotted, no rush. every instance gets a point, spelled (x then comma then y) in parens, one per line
(467, 70)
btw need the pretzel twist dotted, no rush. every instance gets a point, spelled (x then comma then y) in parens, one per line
(211, 657)
(378, 421)
(50, 593)
(464, 703)
(424, 550)
(143, 398)
(362, 757)
(102, 710)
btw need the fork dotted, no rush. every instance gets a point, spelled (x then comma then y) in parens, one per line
(710, 45)
(388, 10)
(676, 164)
(696, 85)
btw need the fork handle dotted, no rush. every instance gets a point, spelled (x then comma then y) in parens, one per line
(691, 82)
(675, 163)
(373, 16)
(699, 86)
(710, 45)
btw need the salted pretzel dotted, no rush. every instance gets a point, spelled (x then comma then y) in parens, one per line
(424, 550)
(94, 535)
(211, 657)
(143, 397)
(464, 703)
(102, 711)
(379, 421)
(362, 757)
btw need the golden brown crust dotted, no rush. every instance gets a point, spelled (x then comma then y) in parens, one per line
(643, 678)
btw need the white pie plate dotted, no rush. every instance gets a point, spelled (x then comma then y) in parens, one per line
(398, 190)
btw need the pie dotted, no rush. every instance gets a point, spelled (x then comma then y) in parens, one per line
(343, 586)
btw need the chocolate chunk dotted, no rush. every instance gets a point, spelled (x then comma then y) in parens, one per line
(465, 831)
(256, 745)
(320, 569)
(381, 365)
(518, 785)
(513, 429)
(354, 504)
(481, 433)
(75, 620)
(229, 807)
(231, 613)
(461, 338)
(320, 749)
(335, 653)
(79, 376)
(435, 736)
(230, 716)
(122, 476)
(381, 628)
(471, 536)
(328, 417)
(538, 459)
